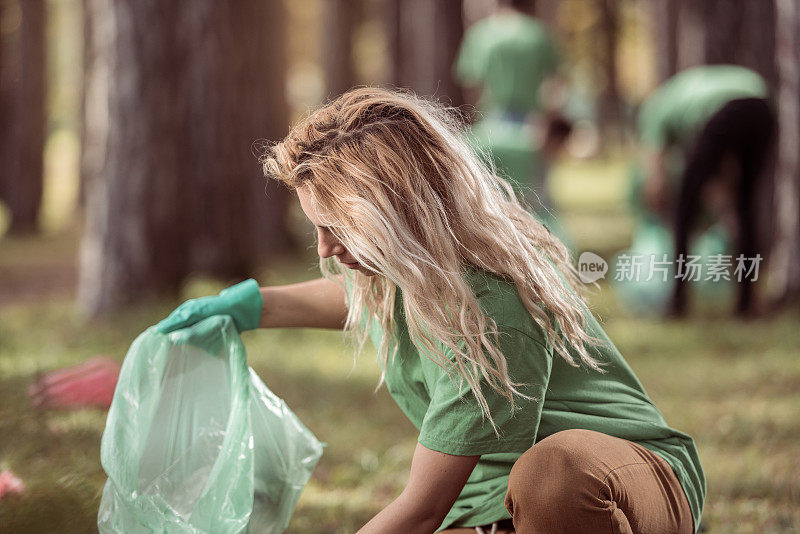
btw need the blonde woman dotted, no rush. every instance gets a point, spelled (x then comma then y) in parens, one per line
(529, 418)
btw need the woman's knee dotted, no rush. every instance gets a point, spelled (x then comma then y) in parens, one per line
(556, 485)
(553, 466)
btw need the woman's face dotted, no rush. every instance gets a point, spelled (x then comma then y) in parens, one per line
(327, 245)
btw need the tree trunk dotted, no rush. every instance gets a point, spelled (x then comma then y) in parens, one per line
(338, 48)
(195, 85)
(430, 34)
(665, 28)
(4, 107)
(23, 166)
(235, 85)
(416, 42)
(611, 111)
(392, 20)
(741, 32)
(135, 246)
(448, 32)
(691, 34)
(547, 12)
(88, 51)
(265, 120)
(98, 35)
(785, 257)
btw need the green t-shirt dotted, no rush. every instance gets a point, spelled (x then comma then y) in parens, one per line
(511, 146)
(682, 105)
(450, 420)
(511, 55)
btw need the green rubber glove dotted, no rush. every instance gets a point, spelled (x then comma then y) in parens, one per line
(242, 302)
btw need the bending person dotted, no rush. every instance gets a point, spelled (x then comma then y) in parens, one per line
(719, 118)
(529, 418)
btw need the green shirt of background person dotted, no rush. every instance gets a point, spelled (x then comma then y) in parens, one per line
(503, 61)
(671, 117)
(506, 57)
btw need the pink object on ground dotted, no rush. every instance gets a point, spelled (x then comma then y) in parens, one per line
(10, 484)
(89, 384)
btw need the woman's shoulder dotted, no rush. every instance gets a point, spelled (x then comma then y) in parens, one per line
(500, 300)
(487, 284)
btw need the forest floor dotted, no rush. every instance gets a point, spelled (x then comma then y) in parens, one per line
(734, 386)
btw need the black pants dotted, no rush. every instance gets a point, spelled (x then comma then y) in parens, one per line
(743, 129)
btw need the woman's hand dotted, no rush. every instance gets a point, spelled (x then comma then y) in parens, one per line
(434, 484)
(243, 302)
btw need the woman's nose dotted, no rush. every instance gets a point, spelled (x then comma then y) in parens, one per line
(328, 245)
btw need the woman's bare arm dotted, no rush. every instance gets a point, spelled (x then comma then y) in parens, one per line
(434, 484)
(317, 303)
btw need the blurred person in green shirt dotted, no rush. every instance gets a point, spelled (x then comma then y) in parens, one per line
(503, 62)
(717, 118)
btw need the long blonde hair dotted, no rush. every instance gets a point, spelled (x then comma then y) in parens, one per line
(402, 190)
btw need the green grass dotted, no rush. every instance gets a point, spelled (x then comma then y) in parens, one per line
(734, 386)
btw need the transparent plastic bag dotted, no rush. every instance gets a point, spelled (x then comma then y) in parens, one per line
(649, 295)
(195, 442)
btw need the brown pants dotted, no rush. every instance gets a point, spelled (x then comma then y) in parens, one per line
(578, 481)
